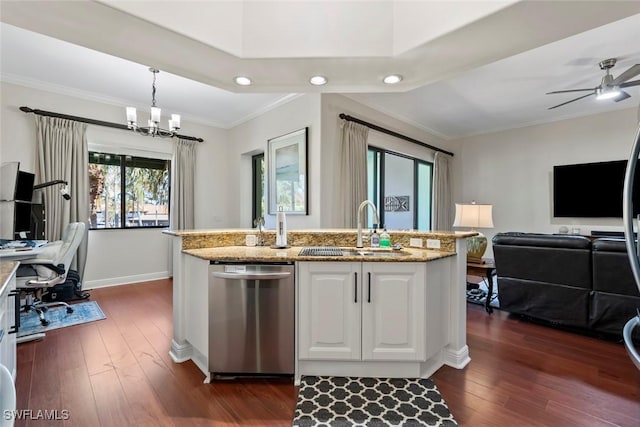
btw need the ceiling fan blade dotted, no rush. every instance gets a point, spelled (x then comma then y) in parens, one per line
(633, 71)
(565, 103)
(633, 83)
(623, 95)
(570, 90)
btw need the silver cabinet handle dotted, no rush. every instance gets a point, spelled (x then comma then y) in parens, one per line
(251, 276)
(369, 299)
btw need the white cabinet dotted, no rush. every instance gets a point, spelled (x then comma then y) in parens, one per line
(7, 318)
(393, 311)
(329, 307)
(362, 311)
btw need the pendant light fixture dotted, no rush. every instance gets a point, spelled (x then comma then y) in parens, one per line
(153, 124)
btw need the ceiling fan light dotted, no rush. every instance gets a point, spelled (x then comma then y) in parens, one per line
(607, 93)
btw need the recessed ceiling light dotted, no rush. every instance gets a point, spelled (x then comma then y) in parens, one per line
(243, 81)
(392, 79)
(318, 80)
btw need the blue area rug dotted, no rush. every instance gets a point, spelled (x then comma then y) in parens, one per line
(59, 318)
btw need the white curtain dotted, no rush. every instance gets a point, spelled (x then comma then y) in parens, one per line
(183, 169)
(353, 186)
(62, 153)
(442, 204)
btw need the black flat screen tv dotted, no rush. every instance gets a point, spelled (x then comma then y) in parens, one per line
(592, 190)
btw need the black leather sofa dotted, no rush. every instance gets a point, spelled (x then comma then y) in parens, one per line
(566, 280)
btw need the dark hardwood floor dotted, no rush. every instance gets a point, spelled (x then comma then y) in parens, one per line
(117, 372)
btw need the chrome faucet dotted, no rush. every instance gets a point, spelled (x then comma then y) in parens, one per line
(375, 215)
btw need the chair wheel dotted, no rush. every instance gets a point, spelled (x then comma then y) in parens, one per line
(44, 322)
(69, 310)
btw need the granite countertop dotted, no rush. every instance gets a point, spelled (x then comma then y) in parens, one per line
(7, 268)
(268, 254)
(434, 234)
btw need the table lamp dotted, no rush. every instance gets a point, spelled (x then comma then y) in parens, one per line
(474, 216)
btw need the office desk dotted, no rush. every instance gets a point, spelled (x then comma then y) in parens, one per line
(16, 254)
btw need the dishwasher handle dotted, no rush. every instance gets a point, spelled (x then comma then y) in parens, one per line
(252, 276)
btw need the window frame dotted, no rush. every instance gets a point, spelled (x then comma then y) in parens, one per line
(380, 194)
(123, 185)
(257, 188)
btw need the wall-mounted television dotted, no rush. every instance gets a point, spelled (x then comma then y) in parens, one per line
(592, 190)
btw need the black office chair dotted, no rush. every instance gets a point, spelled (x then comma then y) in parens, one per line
(37, 275)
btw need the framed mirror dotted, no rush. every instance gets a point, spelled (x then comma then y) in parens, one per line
(287, 171)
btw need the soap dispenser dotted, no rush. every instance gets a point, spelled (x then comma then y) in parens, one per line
(385, 239)
(281, 229)
(375, 239)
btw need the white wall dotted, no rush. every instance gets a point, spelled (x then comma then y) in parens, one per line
(251, 138)
(332, 106)
(119, 256)
(513, 170)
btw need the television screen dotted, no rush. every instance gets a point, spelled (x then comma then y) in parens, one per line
(592, 190)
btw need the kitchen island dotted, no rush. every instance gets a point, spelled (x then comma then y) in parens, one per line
(373, 313)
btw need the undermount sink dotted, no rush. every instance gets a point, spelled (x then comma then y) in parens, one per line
(365, 252)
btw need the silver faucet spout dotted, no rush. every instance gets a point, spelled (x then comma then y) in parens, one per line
(375, 216)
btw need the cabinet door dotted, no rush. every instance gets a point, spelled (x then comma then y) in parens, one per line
(329, 310)
(393, 311)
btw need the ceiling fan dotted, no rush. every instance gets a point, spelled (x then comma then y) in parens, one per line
(609, 88)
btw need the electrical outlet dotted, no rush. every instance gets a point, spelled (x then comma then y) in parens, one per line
(433, 243)
(416, 243)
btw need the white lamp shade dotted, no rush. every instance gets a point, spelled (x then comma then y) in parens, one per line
(474, 216)
(131, 114)
(155, 114)
(175, 121)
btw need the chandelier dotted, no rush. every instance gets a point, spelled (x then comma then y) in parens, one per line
(153, 125)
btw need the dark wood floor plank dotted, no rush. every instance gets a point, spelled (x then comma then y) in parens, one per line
(146, 409)
(111, 402)
(77, 397)
(117, 371)
(45, 382)
(96, 355)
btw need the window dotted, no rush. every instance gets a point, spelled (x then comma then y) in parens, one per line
(128, 191)
(401, 188)
(257, 193)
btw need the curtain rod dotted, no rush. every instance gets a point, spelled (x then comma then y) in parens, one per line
(392, 133)
(93, 121)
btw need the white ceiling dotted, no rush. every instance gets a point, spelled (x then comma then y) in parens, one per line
(469, 67)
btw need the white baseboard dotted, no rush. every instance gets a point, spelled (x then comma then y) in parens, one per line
(124, 280)
(180, 352)
(457, 358)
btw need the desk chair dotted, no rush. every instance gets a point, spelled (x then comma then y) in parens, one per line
(36, 275)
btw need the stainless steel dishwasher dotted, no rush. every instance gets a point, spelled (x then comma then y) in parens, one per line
(251, 319)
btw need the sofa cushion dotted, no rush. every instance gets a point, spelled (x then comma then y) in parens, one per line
(611, 268)
(609, 312)
(561, 305)
(547, 258)
(542, 240)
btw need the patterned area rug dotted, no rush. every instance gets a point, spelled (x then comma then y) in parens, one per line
(59, 318)
(348, 401)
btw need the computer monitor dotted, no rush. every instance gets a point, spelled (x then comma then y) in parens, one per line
(24, 186)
